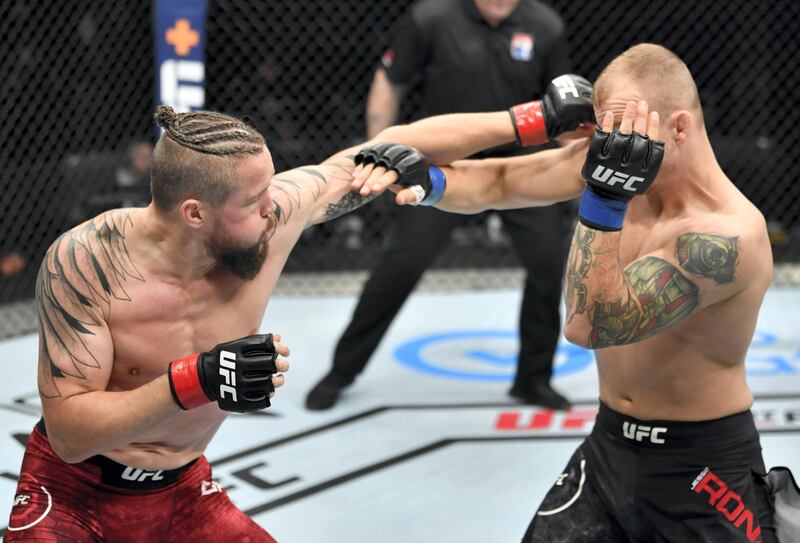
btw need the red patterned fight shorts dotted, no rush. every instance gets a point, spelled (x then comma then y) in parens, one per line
(101, 500)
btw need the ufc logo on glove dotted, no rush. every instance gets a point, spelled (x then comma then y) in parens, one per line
(245, 365)
(227, 369)
(566, 86)
(611, 177)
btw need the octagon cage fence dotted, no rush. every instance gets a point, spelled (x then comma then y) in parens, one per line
(79, 82)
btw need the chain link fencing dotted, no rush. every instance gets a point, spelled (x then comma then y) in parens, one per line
(77, 95)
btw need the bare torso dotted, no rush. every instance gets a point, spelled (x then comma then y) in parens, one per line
(123, 294)
(695, 369)
(164, 320)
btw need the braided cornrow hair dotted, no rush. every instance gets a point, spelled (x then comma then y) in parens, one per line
(209, 132)
(179, 172)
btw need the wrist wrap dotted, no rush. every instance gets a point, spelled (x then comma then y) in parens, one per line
(601, 213)
(529, 124)
(184, 383)
(438, 186)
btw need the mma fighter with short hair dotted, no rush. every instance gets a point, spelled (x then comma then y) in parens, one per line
(668, 267)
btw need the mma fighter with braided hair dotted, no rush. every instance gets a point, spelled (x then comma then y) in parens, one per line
(118, 455)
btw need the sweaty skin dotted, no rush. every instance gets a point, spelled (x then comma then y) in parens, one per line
(117, 303)
(670, 303)
(658, 355)
(108, 273)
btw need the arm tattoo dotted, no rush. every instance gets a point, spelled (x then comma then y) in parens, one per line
(346, 204)
(311, 184)
(708, 255)
(578, 263)
(81, 274)
(658, 295)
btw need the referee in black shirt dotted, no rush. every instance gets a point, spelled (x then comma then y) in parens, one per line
(473, 55)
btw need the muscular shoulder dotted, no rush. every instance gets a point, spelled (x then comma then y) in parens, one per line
(729, 248)
(82, 273)
(86, 268)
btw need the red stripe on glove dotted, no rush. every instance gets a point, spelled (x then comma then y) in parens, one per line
(185, 383)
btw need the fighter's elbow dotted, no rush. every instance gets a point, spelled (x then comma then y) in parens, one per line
(499, 190)
(577, 334)
(69, 452)
(67, 441)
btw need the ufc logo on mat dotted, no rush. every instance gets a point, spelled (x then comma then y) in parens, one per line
(140, 475)
(611, 178)
(565, 86)
(227, 368)
(638, 432)
(729, 503)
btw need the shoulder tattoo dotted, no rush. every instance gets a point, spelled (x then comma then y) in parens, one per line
(708, 255)
(80, 275)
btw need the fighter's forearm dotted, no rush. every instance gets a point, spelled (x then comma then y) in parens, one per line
(533, 180)
(610, 306)
(595, 284)
(473, 186)
(95, 422)
(447, 138)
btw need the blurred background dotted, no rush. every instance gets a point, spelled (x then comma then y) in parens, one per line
(78, 88)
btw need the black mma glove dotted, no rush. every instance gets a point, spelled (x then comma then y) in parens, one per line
(566, 104)
(617, 168)
(427, 182)
(237, 375)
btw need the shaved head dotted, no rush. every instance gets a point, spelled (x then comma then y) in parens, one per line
(656, 74)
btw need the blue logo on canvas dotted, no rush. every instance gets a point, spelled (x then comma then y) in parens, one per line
(491, 355)
(480, 355)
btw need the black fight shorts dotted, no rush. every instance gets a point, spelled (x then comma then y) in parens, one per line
(660, 481)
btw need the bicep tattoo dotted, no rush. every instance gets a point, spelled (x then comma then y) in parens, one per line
(80, 275)
(346, 204)
(658, 296)
(708, 255)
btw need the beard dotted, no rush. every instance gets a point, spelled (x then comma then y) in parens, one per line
(243, 262)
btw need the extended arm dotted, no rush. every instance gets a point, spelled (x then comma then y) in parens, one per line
(315, 194)
(446, 138)
(539, 179)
